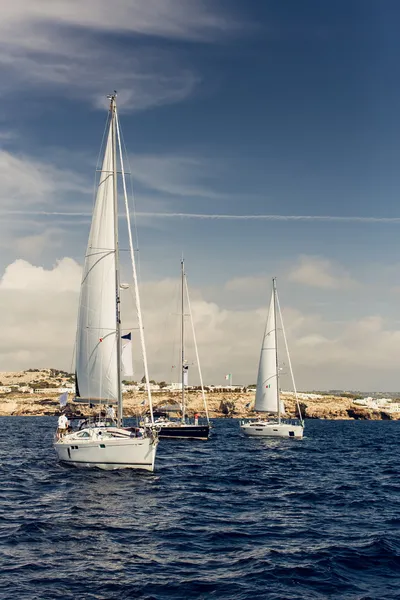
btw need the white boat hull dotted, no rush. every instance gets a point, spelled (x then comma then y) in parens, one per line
(271, 429)
(108, 453)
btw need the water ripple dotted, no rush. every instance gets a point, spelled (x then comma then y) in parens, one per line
(234, 518)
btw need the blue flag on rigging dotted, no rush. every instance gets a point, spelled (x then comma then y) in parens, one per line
(126, 356)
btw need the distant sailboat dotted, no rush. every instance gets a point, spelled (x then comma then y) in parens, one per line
(104, 442)
(184, 428)
(267, 393)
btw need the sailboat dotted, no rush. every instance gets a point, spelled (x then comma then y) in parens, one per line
(104, 442)
(267, 393)
(183, 428)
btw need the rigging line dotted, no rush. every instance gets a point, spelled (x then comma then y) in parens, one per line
(276, 351)
(73, 359)
(289, 361)
(96, 263)
(196, 350)
(134, 272)
(175, 329)
(132, 195)
(95, 184)
(165, 336)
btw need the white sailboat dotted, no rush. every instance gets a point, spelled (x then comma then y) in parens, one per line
(105, 443)
(267, 393)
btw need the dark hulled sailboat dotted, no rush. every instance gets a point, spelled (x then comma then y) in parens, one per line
(182, 427)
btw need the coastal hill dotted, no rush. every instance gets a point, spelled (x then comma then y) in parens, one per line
(37, 391)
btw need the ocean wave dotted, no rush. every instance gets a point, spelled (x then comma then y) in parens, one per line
(233, 517)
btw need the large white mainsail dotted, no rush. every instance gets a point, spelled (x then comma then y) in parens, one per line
(96, 346)
(267, 381)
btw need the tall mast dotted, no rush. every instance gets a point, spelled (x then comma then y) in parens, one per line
(276, 352)
(113, 111)
(183, 339)
(197, 351)
(134, 274)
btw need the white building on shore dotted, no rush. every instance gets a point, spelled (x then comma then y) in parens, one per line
(386, 404)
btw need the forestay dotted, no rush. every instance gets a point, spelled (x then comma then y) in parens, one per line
(96, 348)
(267, 381)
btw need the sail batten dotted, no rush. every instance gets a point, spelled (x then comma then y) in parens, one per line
(96, 346)
(267, 380)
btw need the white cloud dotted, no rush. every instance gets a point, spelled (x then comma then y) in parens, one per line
(65, 276)
(181, 19)
(175, 175)
(26, 181)
(7, 135)
(320, 272)
(71, 45)
(35, 245)
(30, 186)
(38, 323)
(144, 77)
(38, 314)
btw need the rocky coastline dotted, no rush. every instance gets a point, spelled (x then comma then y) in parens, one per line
(36, 392)
(220, 404)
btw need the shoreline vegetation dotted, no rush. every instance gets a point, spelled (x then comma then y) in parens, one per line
(36, 393)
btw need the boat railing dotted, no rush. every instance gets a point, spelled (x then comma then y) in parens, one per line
(288, 421)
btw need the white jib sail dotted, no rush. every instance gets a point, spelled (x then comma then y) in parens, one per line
(127, 359)
(96, 347)
(267, 381)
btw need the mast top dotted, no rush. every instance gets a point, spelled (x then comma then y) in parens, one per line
(113, 100)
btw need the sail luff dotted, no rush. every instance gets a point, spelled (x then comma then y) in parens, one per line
(267, 380)
(96, 346)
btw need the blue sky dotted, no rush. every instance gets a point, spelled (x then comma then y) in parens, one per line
(228, 108)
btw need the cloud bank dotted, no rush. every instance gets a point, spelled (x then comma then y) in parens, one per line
(38, 323)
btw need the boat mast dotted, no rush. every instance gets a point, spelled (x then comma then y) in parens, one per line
(276, 352)
(113, 111)
(183, 339)
(197, 352)
(134, 274)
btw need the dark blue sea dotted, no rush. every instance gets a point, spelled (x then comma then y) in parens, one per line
(233, 517)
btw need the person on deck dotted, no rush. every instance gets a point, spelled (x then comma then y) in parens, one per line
(111, 413)
(63, 424)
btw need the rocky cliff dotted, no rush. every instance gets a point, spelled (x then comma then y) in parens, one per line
(220, 405)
